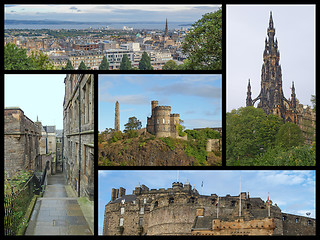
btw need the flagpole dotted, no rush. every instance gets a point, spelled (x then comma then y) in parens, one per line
(268, 205)
(218, 208)
(240, 199)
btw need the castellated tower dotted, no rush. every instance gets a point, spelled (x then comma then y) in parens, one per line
(162, 123)
(117, 118)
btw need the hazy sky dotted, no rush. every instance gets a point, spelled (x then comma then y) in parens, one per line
(246, 32)
(292, 191)
(196, 97)
(109, 13)
(37, 95)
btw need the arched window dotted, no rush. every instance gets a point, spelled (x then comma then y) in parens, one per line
(156, 204)
(171, 200)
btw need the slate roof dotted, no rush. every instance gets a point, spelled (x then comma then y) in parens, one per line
(127, 198)
(203, 222)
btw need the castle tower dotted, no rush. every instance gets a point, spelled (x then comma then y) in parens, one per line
(117, 118)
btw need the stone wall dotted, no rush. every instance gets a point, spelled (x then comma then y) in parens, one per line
(21, 141)
(298, 225)
(78, 149)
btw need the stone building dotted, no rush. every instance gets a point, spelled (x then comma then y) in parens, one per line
(181, 210)
(162, 122)
(78, 134)
(48, 140)
(21, 142)
(271, 97)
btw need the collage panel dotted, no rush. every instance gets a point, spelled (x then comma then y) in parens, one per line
(49, 154)
(271, 101)
(113, 37)
(206, 202)
(160, 120)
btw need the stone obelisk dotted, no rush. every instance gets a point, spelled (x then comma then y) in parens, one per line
(117, 118)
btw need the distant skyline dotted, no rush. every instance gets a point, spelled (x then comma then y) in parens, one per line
(246, 33)
(38, 95)
(292, 190)
(108, 13)
(196, 97)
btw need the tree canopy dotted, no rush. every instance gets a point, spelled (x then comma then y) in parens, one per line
(145, 62)
(16, 58)
(254, 138)
(133, 124)
(104, 65)
(82, 66)
(203, 43)
(125, 63)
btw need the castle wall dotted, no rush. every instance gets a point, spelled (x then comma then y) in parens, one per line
(298, 225)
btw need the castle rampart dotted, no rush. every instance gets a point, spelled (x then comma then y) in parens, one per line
(181, 210)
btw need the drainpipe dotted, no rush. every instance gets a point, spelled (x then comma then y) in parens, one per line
(79, 137)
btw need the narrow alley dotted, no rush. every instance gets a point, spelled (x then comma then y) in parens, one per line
(58, 211)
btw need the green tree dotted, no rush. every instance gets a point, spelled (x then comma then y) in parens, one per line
(203, 44)
(82, 66)
(40, 61)
(267, 131)
(68, 66)
(170, 65)
(313, 100)
(289, 135)
(104, 64)
(16, 58)
(242, 131)
(133, 124)
(145, 62)
(125, 63)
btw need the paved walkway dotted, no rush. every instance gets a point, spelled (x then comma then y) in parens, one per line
(56, 213)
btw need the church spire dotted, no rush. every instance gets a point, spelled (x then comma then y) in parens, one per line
(166, 30)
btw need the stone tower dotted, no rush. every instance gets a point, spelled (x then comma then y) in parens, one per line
(272, 99)
(117, 118)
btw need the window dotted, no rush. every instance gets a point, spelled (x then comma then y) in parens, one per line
(297, 220)
(141, 221)
(171, 200)
(144, 201)
(284, 218)
(123, 201)
(142, 210)
(309, 223)
(121, 222)
(122, 210)
(156, 204)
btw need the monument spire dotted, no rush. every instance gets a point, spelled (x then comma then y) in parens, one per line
(117, 118)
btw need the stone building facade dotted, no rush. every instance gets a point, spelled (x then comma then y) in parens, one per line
(78, 134)
(21, 142)
(181, 210)
(271, 97)
(162, 122)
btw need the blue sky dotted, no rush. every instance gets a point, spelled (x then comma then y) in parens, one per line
(246, 32)
(109, 13)
(196, 97)
(37, 95)
(292, 190)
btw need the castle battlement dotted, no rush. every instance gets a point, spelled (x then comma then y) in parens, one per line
(181, 210)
